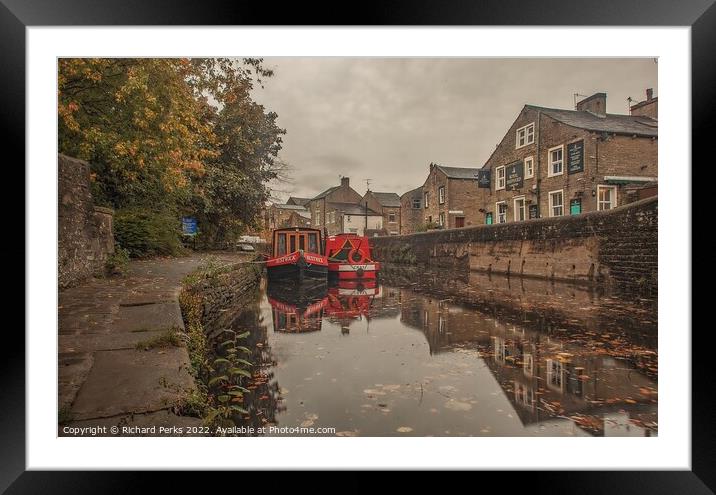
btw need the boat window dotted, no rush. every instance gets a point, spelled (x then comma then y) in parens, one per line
(281, 248)
(302, 242)
(313, 243)
(292, 242)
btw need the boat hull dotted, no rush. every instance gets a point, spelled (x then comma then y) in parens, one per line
(349, 271)
(297, 267)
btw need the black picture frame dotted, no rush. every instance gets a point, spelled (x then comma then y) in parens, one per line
(16, 15)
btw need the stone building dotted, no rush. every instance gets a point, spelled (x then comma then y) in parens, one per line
(353, 218)
(340, 209)
(411, 210)
(554, 162)
(646, 108)
(288, 215)
(450, 197)
(387, 204)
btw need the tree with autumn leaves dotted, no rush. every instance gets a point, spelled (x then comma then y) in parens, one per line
(172, 137)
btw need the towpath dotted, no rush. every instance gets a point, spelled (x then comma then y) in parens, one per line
(104, 378)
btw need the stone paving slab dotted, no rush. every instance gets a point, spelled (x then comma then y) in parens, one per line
(160, 316)
(101, 374)
(124, 381)
(109, 341)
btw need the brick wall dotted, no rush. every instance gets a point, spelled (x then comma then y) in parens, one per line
(616, 248)
(85, 235)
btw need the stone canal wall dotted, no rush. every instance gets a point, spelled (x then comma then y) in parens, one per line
(223, 287)
(616, 248)
(85, 236)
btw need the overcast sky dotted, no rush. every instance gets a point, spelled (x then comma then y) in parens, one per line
(386, 119)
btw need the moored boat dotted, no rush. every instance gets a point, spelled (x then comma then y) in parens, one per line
(349, 257)
(297, 254)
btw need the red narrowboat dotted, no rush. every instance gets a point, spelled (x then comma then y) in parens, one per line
(349, 257)
(296, 254)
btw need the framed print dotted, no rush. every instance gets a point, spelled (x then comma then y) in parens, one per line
(351, 244)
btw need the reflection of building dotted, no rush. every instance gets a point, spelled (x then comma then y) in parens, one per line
(542, 374)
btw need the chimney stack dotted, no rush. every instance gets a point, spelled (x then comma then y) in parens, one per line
(345, 182)
(595, 104)
(649, 94)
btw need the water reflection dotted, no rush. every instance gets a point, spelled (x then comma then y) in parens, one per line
(453, 354)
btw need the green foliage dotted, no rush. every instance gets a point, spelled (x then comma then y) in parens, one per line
(170, 338)
(143, 232)
(180, 135)
(117, 262)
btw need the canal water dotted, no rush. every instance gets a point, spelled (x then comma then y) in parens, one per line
(450, 354)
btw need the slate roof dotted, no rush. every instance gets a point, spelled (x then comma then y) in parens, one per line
(352, 209)
(613, 123)
(415, 193)
(326, 192)
(298, 201)
(387, 198)
(459, 172)
(290, 207)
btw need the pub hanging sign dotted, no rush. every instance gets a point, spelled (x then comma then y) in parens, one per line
(514, 176)
(575, 157)
(483, 178)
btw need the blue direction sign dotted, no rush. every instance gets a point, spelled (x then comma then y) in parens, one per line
(188, 225)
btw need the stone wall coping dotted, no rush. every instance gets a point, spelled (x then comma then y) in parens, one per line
(104, 209)
(544, 220)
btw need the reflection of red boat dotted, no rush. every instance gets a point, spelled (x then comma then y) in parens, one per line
(297, 313)
(351, 299)
(297, 253)
(349, 257)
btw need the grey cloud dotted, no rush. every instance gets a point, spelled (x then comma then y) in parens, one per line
(387, 118)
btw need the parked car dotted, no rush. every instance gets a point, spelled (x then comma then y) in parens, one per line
(246, 247)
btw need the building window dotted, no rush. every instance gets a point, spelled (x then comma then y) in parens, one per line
(441, 195)
(501, 208)
(441, 219)
(556, 161)
(426, 200)
(500, 178)
(348, 218)
(391, 217)
(556, 203)
(606, 197)
(529, 167)
(416, 203)
(525, 135)
(520, 209)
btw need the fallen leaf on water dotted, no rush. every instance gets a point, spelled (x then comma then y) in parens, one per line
(404, 429)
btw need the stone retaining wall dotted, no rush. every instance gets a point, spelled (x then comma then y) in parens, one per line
(85, 235)
(616, 248)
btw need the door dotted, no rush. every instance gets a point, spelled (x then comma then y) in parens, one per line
(488, 218)
(575, 206)
(459, 222)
